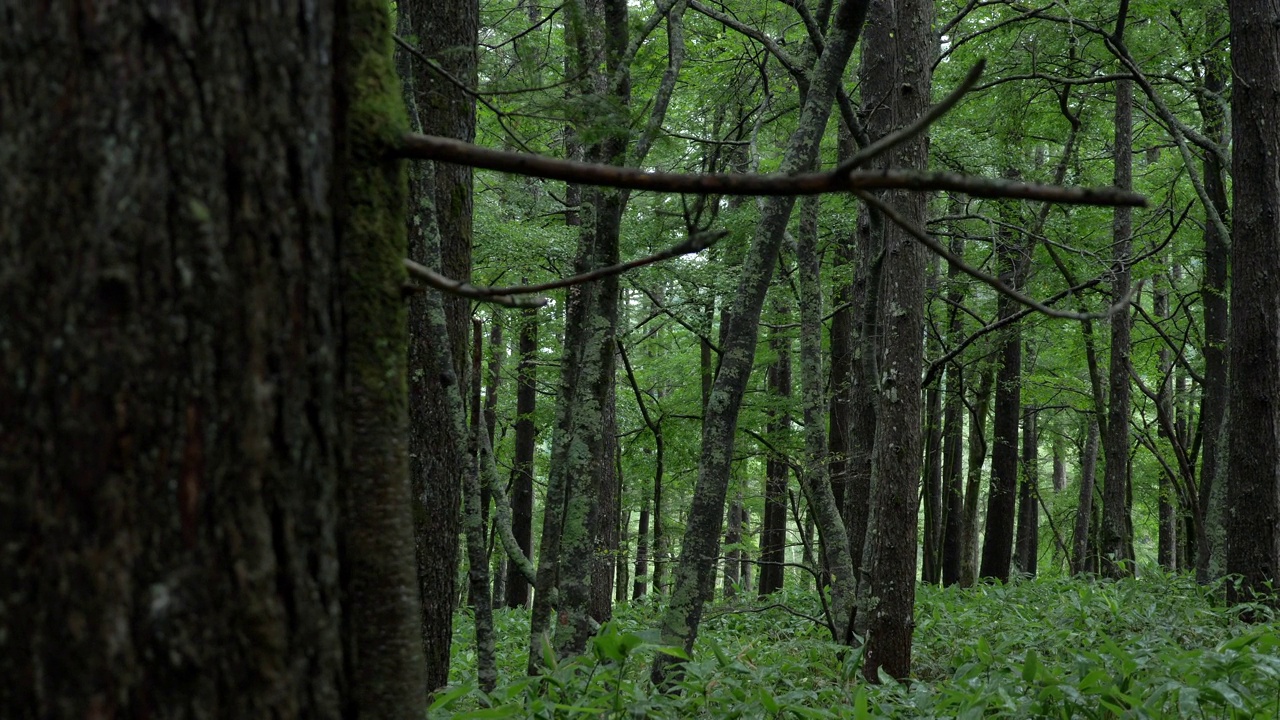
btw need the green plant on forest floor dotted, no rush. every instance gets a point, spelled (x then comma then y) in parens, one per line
(1158, 646)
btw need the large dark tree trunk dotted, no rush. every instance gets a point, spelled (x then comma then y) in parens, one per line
(178, 399)
(447, 35)
(1253, 476)
(997, 546)
(897, 62)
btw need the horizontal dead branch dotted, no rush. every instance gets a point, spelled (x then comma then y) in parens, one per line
(430, 147)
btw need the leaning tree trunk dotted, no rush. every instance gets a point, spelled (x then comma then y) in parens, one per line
(522, 465)
(177, 397)
(1253, 477)
(695, 573)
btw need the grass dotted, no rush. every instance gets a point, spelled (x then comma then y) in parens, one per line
(1158, 646)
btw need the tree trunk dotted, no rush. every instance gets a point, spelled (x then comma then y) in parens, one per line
(897, 62)
(1213, 294)
(606, 533)
(1253, 478)
(1028, 539)
(526, 446)
(931, 570)
(176, 389)
(997, 547)
(449, 37)
(733, 561)
(1084, 509)
(773, 530)
(952, 437)
(1117, 527)
(639, 587)
(973, 479)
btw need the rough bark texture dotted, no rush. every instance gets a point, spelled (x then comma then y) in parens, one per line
(448, 35)
(695, 574)
(174, 376)
(608, 497)
(897, 75)
(1253, 477)
(522, 468)
(1117, 531)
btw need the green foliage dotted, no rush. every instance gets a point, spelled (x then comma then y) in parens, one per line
(1158, 646)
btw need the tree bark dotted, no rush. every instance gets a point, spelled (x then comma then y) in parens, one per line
(448, 36)
(176, 389)
(973, 478)
(1253, 477)
(897, 76)
(1213, 293)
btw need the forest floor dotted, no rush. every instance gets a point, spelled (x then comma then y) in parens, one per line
(1157, 646)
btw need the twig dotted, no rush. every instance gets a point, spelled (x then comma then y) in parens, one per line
(994, 282)
(510, 296)
(695, 243)
(430, 147)
(763, 608)
(434, 279)
(892, 140)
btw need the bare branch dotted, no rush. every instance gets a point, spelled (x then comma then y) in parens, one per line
(431, 278)
(430, 147)
(892, 140)
(510, 296)
(994, 282)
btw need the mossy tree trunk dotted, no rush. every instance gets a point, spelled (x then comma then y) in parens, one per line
(694, 581)
(448, 35)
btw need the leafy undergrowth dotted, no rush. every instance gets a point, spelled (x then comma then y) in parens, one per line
(1159, 646)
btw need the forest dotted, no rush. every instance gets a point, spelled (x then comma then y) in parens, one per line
(640, 358)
